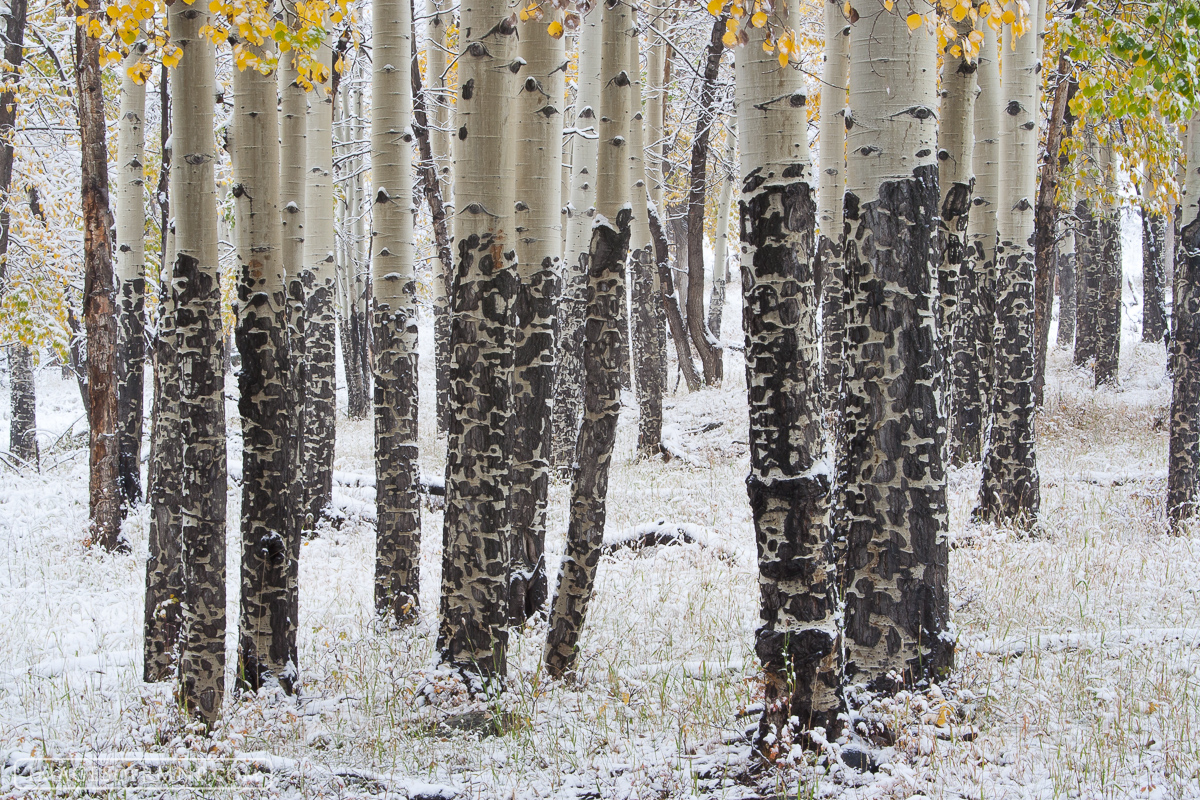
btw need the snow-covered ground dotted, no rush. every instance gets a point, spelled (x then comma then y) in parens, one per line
(1078, 671)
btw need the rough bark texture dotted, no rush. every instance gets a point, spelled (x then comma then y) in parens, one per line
(572, 305)
(473, 634)
(1183, 460)
(831, 186)
(1154, 277)
(22, 435)
(971, 367)
(320, 316)
(707, 347)
(1066, 284)
(539, 123)
(674, 314)
(196, 277)
(891, 506)
(798, 642)
(602, 346)
(1108, 298)
(270, 566)
(397, 473)
(99, 299)
(131, 280)
(716, 297)
(348, 266)
(1087, 282)
(1010, 492)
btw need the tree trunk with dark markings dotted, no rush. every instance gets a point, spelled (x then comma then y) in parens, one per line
(1183, 461)
(1154, 277)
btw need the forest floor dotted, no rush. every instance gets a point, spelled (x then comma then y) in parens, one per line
(1077, 672)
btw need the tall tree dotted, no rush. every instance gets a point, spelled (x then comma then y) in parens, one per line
(23, 424)
(270, 547)
(601, 347)
(437, 22)
(196, 275)
(1087, 254)
(473, 633)
(1154, 274)
(320, 318)
(131, 277)
(789, 483)
(1010, 490)
(1066, 278)
(831, 189)
(891, 504)
(1108, 299)
(539, 124)
(716, 297)
(349, 284)
(397, 473)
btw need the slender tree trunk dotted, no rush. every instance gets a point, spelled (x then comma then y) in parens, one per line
(1010, 491)
(1154, 269)
(437, 96)
(707, 346)
(320, 319)
(1066, 282)
(649, 333)
(656, 108)
(1087, 258)
(163, 619)
(572, 305)
(675, 320)
(23, 423)
(347, 267)
(270, 550)
(798, 642)
(972, 363)
(361, 285)
(473, 633)
(131, 279)
(397, 473)
(831, 186)
(99, 298)
(196, 275)
(601, 349)
(1183, 462)
(891, 505)
(539, 262)
(1108, 299)
(716, 299)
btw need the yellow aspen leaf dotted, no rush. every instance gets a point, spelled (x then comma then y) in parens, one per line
(846, 8)
(783, 59)
(172, 59)
(737, 11)
(958, 13)
(975, 37)
(949, 4)
(889, 4)
(1009, 17)
(767, 46)
(759, 19)
(715, 7)
(729, 39)
(985, 9)
(555, 29)
(731, 24)
(914, 21)
(956, 51)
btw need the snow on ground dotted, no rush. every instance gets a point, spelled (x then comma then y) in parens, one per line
(1078, 673)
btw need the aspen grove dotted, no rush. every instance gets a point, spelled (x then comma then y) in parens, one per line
(600, 398)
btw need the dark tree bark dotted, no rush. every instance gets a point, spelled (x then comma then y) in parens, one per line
(99, 298)
(1183, 462)
(1108, 300)
(1087, 282)
(1066, 287)
(707, 346)
(679, 333)
(1154, 277)
(649, 347)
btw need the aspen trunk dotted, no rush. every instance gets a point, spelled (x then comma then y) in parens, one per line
(707, 346)
(99, 299)
(473, 634)
(270, 548)
(347, 264)
(972, 362)
(1108, 298)
(831, 189)
(1183, 462)
(716, 298)
(956, 178)
(1087, 258)
(438, 108)
(798, 641)
(320, 319)
(196, 277)
(656, 108)
(601, 347)
(397, 473)
(131, 279)
(22, 437)
(649, 334)
(891, 505)
(1066, 282)
(1154, 277)
(1010, 491)
(539, 260)
(572, 305)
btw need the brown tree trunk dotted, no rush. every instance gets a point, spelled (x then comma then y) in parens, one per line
(99, 298)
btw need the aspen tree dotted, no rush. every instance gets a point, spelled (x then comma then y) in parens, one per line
(318, 275)
(1183, 460)
(972, 347)
(1066, 273)
(1154, 273)
(270, 564)
(347, 265)
(436, 49)
(1087, 254)
(891, 506)
(131, 277)
(831, 186)
(601, 346)
(538, 215)
(656, 106)
(1010, 490)
(1108, 299)
(473, 634)
(572, 305)
(797, 642)
(716, 298)
(397, 473)
(196, 278)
